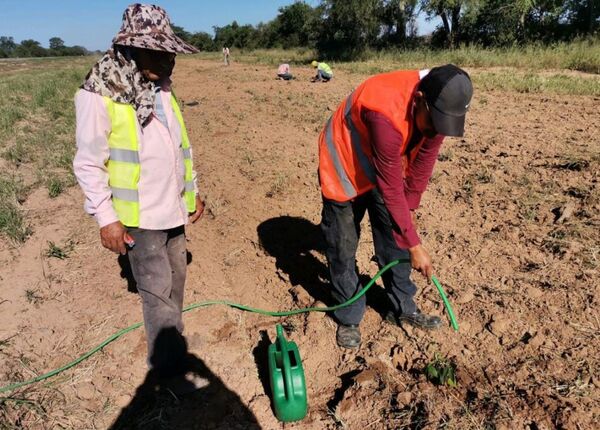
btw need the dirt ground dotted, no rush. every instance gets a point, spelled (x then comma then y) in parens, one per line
(510, 218)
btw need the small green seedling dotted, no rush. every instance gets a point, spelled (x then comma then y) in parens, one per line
(55, 187)
(441, 371)
(56, 251)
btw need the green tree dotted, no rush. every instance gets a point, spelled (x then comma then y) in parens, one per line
(235, 35)
(7, 46)
(203, 41)
(505, 23)
(348, 29)
(226, 35)
(290, 24)
(267, 35)
(449, 11)
(30, 48)
(583, 16)
(398, 21)
(56, 43)
(180, 32)
(74, 51)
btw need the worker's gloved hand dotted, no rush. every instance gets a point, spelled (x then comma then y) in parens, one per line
(421, 261)
(114, 237)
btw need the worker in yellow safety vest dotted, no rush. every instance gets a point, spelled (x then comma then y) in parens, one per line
(134, 164)
(324, 72)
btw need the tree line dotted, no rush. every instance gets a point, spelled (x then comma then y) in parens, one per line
(345, 29)
(32, 48)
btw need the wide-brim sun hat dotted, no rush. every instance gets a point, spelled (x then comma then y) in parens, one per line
(148, 27)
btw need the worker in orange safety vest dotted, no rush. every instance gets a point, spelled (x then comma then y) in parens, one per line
(376, 154)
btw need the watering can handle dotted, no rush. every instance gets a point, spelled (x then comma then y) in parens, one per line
(286, 362)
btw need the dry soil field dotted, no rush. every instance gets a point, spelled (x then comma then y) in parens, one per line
(510, 218)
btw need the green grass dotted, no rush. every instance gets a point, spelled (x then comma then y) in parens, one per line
(37, 128)
(534, 83)
(509, 69)
(56, 251)
(581, 55)
(12, 221)
(55, 187)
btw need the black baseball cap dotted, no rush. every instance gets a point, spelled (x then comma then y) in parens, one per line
(448, 91)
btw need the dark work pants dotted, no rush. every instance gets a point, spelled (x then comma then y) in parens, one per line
(341, 227)
(321, 75)
(158, 262)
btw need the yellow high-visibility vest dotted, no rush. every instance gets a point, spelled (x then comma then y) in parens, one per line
(325, 67)
(124, 162)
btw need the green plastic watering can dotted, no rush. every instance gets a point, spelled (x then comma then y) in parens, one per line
(287, 379)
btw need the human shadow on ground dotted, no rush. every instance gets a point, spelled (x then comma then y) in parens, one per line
(127, 273)
(160, 402)
(292, 241)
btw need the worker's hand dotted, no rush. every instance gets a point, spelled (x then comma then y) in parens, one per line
(114, 237)
(195, 216)
(421, 261)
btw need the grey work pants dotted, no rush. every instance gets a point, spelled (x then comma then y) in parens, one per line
(341, 228)
(158, 262)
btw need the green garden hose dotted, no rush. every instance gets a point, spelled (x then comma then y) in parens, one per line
(120, 333)
(446, 302)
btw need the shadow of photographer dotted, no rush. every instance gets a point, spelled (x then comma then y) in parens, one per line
(187, 395)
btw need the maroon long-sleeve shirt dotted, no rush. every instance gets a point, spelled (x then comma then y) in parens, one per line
(400, 194)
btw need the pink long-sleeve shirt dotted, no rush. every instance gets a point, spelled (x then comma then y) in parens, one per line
(283, 69)
(161, 184)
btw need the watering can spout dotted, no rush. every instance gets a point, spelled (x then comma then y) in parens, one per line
(287, 379)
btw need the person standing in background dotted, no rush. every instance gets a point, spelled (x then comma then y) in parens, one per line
(226, 55)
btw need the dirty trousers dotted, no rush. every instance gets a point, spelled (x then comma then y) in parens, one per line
(158, 263)
(340, 225)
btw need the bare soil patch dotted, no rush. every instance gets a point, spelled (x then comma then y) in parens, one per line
(511, 219)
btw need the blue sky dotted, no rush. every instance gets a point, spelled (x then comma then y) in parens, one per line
(93, 23)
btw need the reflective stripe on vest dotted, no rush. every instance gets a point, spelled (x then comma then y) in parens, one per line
(189, 189)
(123, 164)
(339, 169)
(125, 155)
(364, 161)
(346, 167)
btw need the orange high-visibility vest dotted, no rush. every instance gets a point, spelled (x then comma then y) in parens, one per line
(345, 148)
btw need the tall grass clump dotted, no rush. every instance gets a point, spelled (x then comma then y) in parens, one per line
(37, 129)
(12, 221)
(580, 55)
